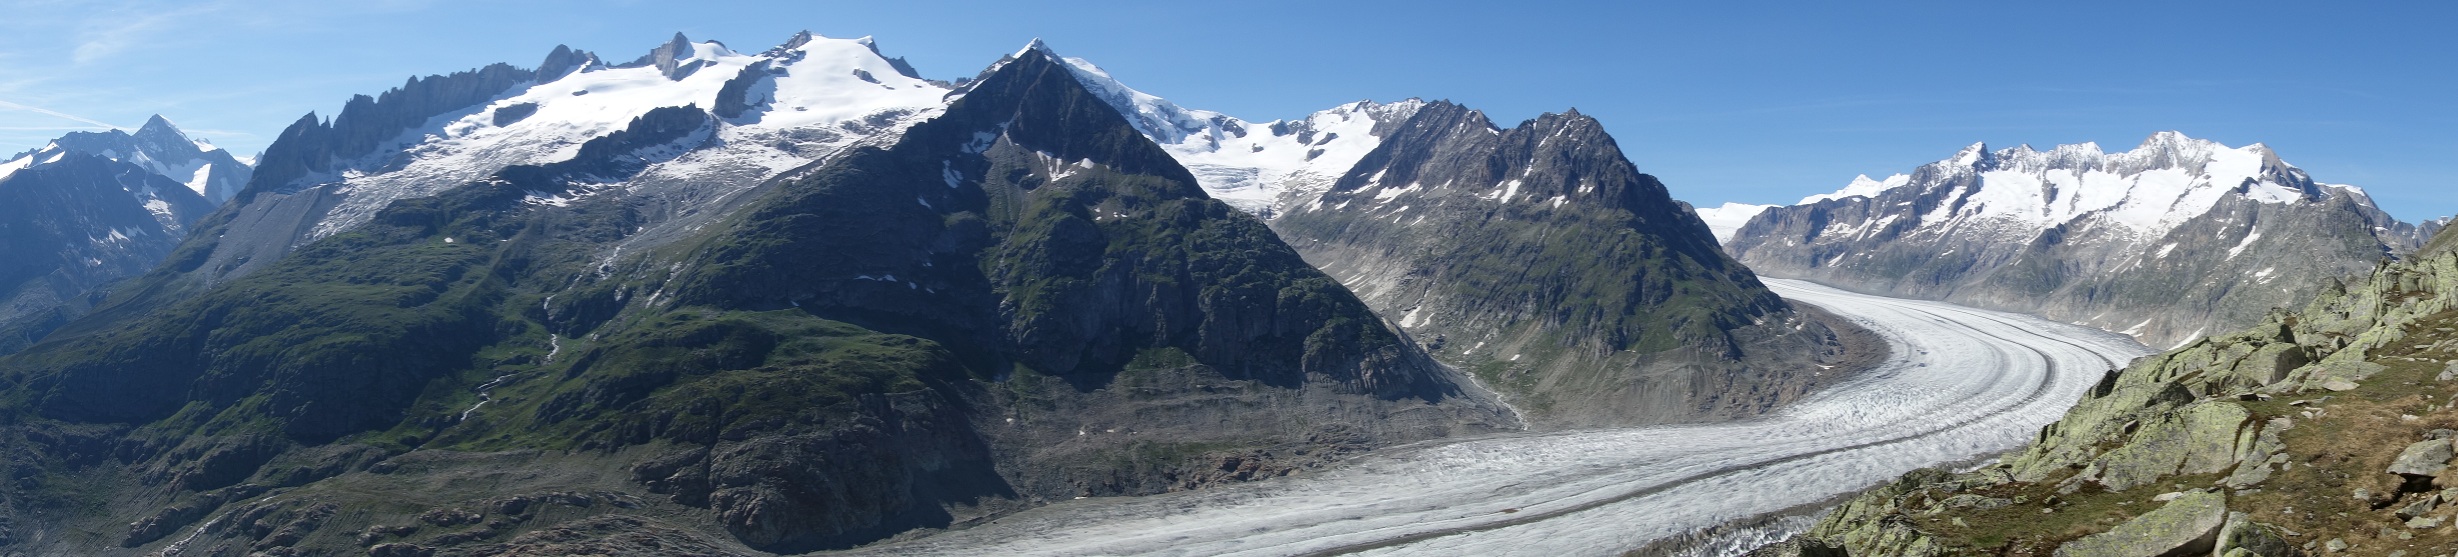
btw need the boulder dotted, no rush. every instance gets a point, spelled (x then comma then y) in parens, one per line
(2422, 459)
(2189, 525)
(2243, 536)
(2340, 375)
(2261, 457)
(2197, 439)
(2422, 506)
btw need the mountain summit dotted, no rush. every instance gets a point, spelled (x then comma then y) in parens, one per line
(2168, 241)
(158, 147)
(1537, 256)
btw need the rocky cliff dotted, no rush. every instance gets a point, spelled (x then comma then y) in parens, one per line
(2321, 431)
(2173, 240)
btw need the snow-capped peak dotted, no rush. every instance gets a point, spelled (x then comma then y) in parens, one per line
(777, 110)
(1252, 166)
(159, 147)
(1861, 186)
(1728, 218)
(2167, 180)
(1163, 121)
(1970, 156)
(1036, 45)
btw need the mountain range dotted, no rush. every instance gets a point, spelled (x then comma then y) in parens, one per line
(2167, 242)
(803, 298)
(1537, 256)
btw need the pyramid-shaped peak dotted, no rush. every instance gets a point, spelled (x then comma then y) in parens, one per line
(158, 124)
(1038, 46)
(1970, 155)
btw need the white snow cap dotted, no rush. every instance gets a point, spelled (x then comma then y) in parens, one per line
(2167, 180)
(1250, 165)
(1728, 218)
(819, 95)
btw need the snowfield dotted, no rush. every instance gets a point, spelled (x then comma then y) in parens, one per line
(1962, 384)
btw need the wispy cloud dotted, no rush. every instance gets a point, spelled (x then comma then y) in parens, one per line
(103, 37)
(58, 114)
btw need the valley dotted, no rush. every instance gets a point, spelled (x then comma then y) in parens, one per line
(1960, 384)
(802, 299)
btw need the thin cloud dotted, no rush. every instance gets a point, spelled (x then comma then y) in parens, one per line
(55, 113)
(103, 37)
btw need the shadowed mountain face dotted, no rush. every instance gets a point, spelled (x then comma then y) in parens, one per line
(1537, 256)
(1541, 258)
(71, 225)
(2173, 240)
(1017, 300)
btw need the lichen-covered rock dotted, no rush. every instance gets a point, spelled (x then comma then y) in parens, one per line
(2190, 412)
(2199, 439)
(2422, 459)
(2244, 537)
(1869, 524)
(2339, 374)
(2189, 525)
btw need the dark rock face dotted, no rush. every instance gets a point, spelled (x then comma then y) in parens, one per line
(1541, 258)
(312, 146)
(2065, 234)
(75, 224)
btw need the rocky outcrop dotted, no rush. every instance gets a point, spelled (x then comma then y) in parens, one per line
(2318, 431)
(2186, 526)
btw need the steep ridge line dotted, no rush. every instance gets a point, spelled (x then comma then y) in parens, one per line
(1548, 490)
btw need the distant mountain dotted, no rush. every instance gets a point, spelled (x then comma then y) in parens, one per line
(784, 302)
(159, 148)
(774, 111)
(1536, 256)
(1726, 219)
(2175, 239)
(1263, 168)
(92, 208)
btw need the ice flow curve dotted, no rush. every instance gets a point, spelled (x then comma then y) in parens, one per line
(1961, 383)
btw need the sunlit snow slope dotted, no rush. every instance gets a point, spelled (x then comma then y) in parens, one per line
(1962, 383)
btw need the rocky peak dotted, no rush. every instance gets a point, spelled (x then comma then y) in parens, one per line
(161, 141)
(669, 58)
(563, 60)
(803, 37)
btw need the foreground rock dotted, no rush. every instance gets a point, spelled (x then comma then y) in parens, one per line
(2321, 431)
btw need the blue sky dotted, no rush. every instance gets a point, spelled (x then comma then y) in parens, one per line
(1726, 101)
